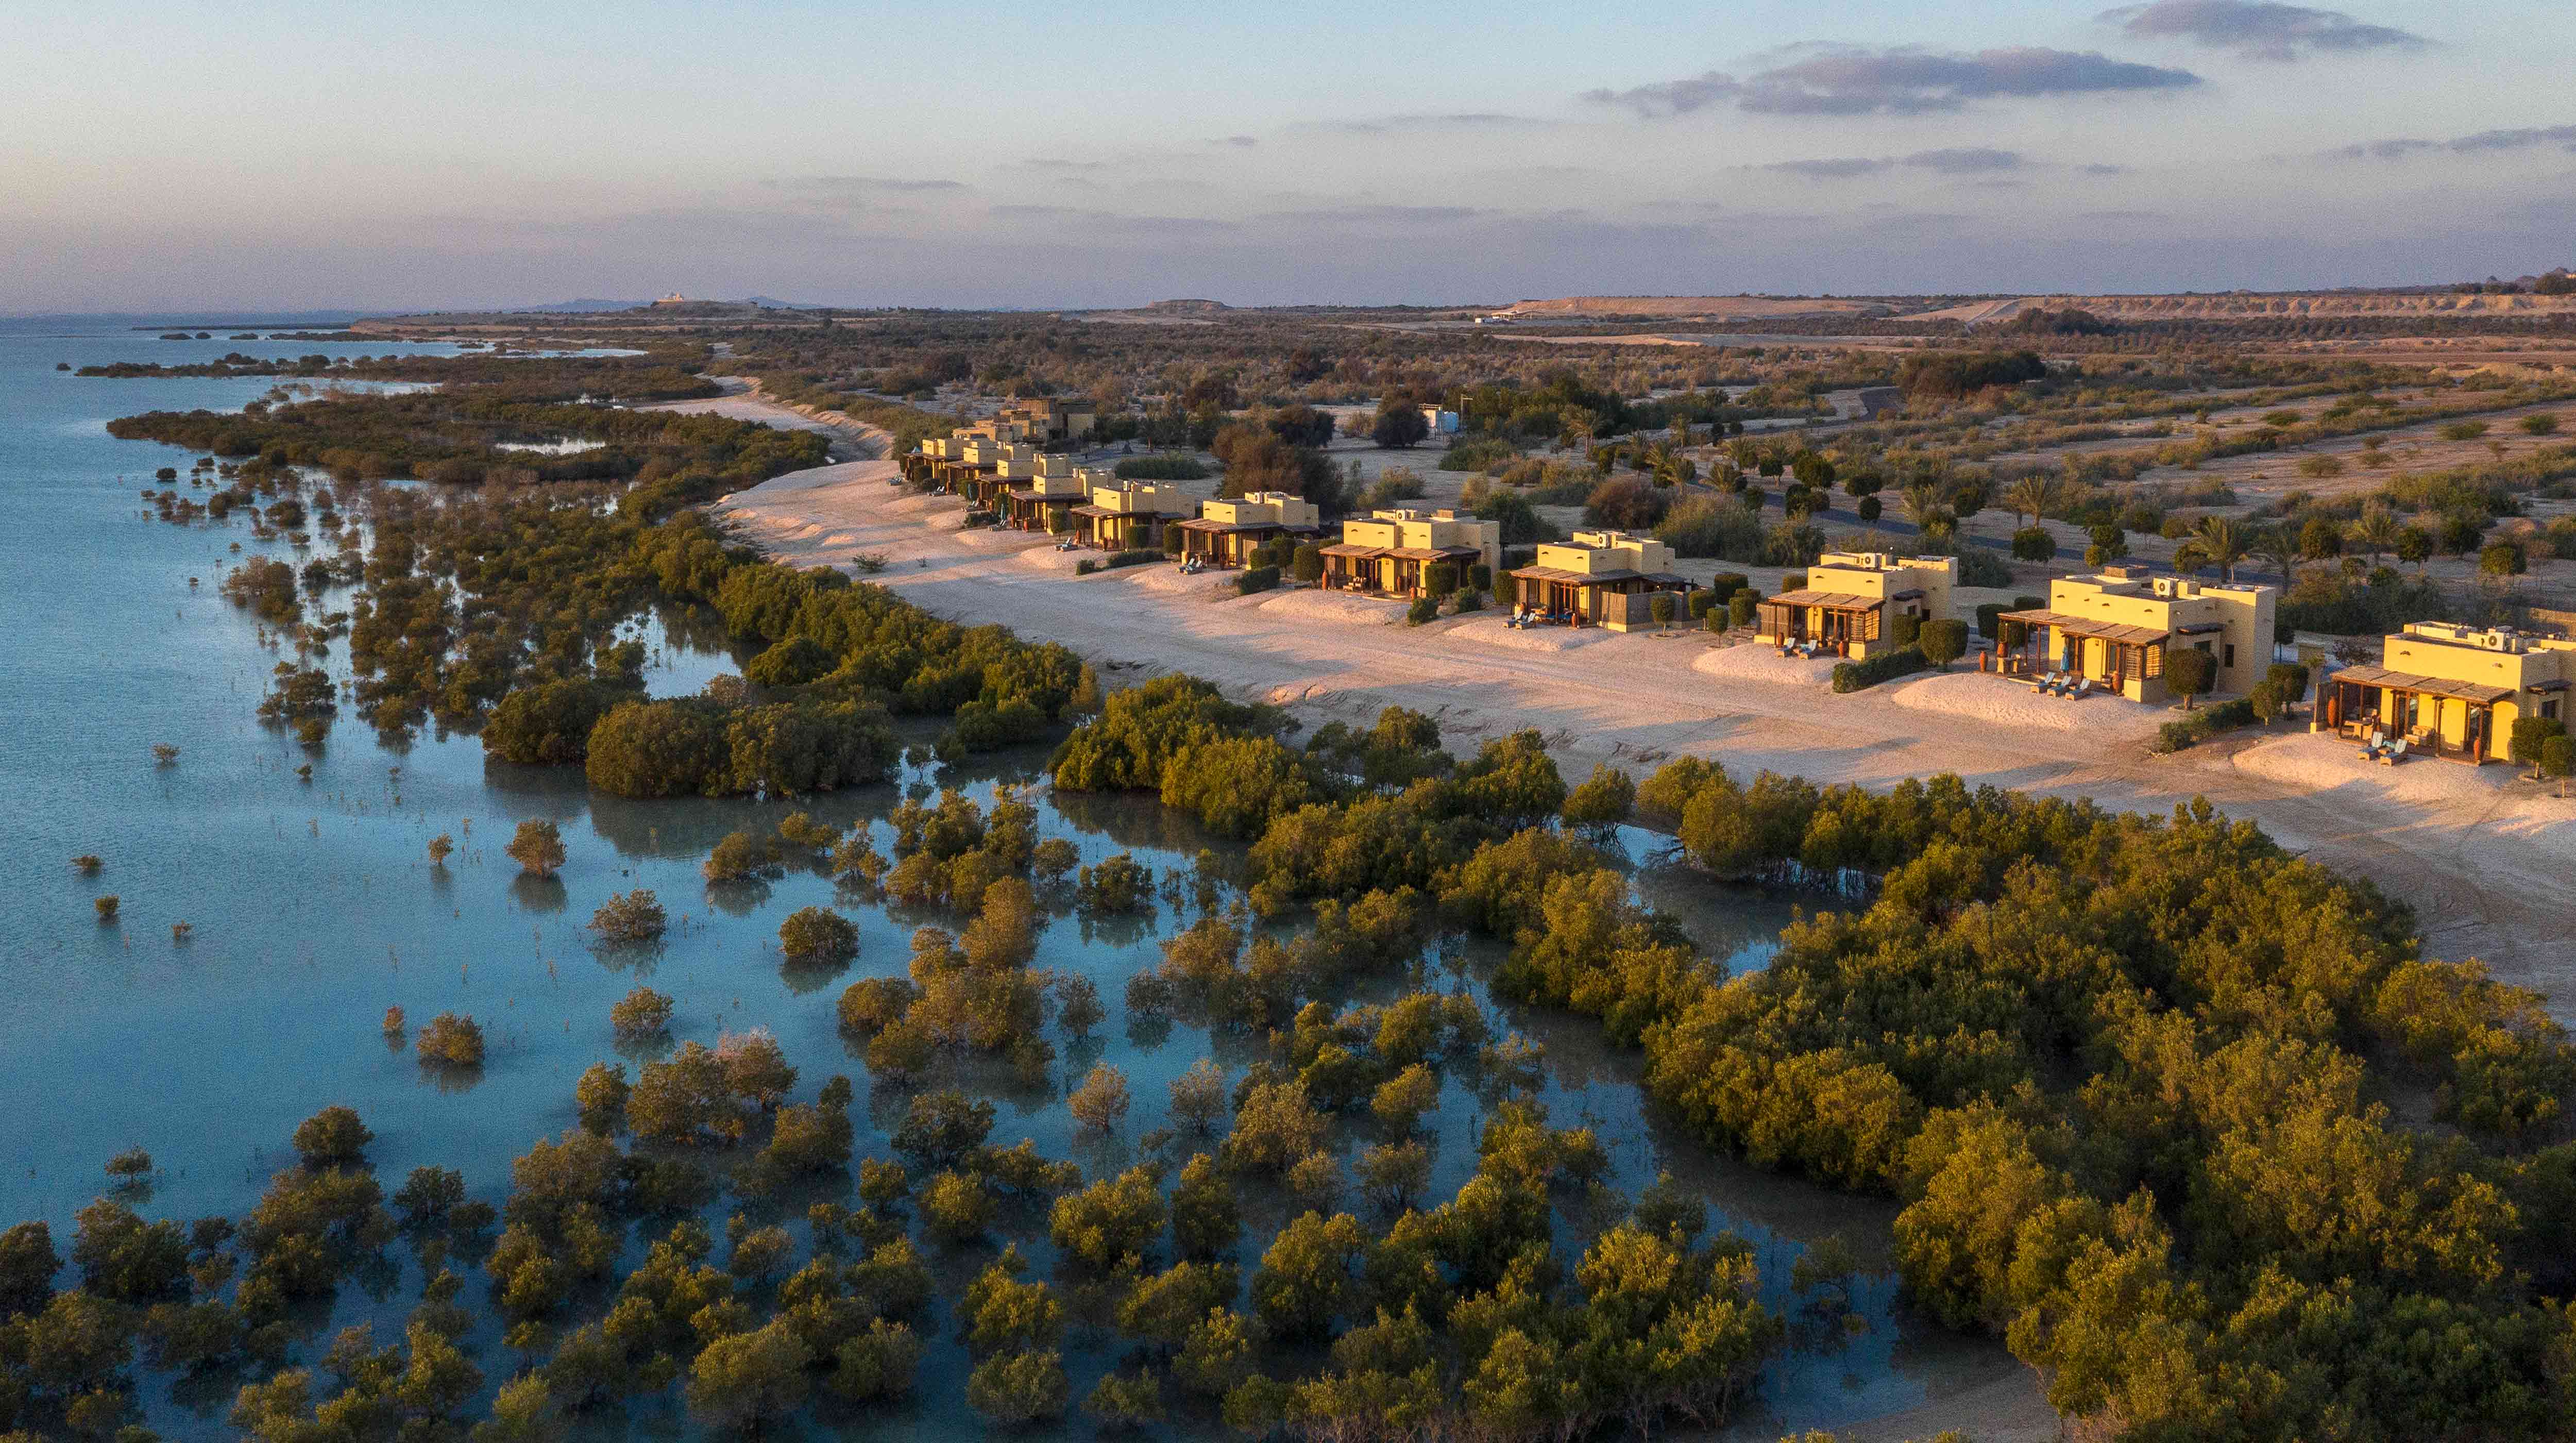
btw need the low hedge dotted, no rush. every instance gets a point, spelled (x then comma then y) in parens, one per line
(1259, 578)
(2203, 724)
(1166, 466)
(1138, 556)
(1886, 666)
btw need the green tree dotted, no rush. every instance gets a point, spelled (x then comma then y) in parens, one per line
(1399, 425)
(641, 1013)
(743, 1378)
(1308, 1277)
(600, 1098)
(817, 934)
(451, 1040)
(1111, 1222)
(2214, 541)
(1206, 1218)
(1014, 1390)
(333, 1137)
(1100, 1103)
(2189, 671)
(537, 847)
(2530, 739)
(630, 919)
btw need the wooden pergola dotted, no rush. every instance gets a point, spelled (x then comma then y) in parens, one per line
(2359, 700)
(1230, 543)
(1117, 530)
(1551, 591)
(2106, 652)
(1831, 618)
(1035, 511)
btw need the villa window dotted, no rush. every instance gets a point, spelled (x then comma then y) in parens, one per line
(2230, 663)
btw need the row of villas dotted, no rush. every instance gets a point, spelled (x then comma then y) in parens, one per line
(1599, 578)
(2452, 691)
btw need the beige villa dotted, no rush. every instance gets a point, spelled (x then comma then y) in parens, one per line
(1851, 601)
(1047, 420)
(1597, 578)
(1227, 531)
(2116, 628)
(2451, 691)
(1392, 552)
(1117, 515)
(1045, 500)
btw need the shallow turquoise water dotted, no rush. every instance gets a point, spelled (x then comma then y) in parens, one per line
(313, 907)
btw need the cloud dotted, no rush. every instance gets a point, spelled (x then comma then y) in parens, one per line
(1909, 80)
(1239, 142)
(1379, 215)
(2260, 30)
(1058, 165)
(1672, 97)
(1403, 124)
(1897, 80)
(855, 187)
(1971, 160)
(1114, 222)
(1841, 169)
(1965, 161)
(2485, 142)
(2103, 168)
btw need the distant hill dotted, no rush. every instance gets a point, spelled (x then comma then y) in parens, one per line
(584, 306)
(1712, 308)
(2247, 305)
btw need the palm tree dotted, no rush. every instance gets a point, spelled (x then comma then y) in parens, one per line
(1922, 502)
(2376, 531)
(2033, 496)
(2214, 542)
(2278, 546)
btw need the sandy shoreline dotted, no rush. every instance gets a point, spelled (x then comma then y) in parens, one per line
(2482, 858)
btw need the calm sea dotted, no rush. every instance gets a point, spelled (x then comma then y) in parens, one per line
(311, 907)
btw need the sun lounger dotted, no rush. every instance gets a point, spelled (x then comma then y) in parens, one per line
(2083, 688)
(2372, 747)
(2394, 754)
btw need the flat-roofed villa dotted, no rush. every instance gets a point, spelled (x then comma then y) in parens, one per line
(1120, 515)
(1014, 463)
(1227, 531)
(2115, 629)
(1851, 601)
(964, 462)
(2451, 691)
(1598, 578)
(1048, 420)
(1392, 552)
(1045, 501)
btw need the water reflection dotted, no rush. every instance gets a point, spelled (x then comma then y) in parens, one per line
(315, 909)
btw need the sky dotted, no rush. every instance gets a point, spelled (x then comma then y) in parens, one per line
(247, 155)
